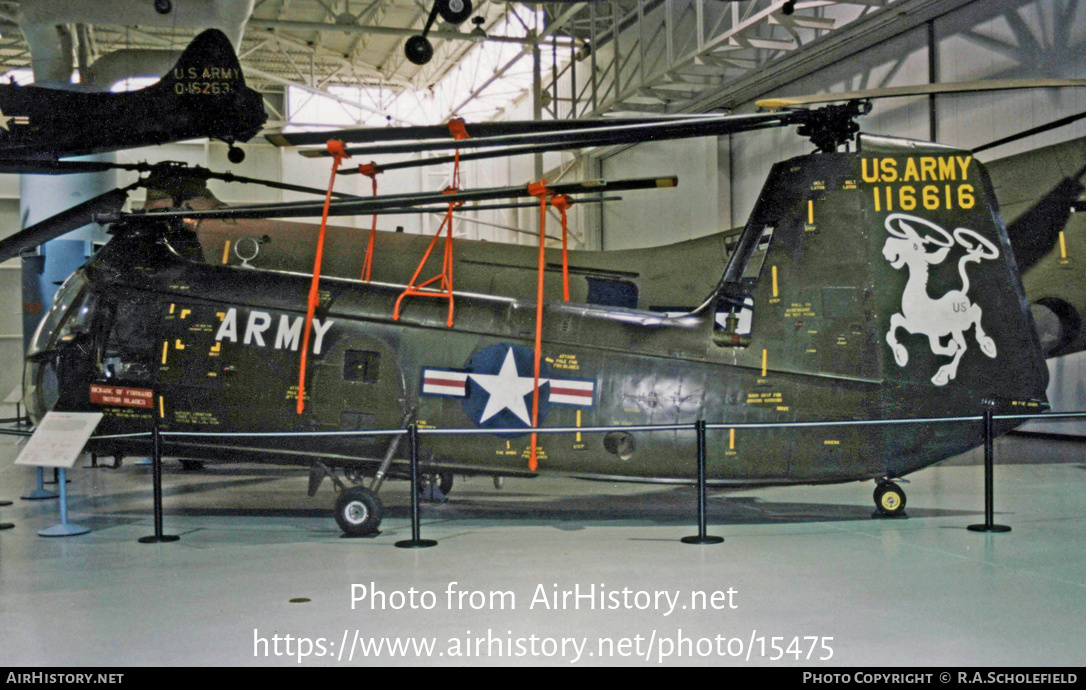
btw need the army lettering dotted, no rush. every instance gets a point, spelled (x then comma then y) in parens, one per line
(899, 185)
(206, 80)
(288, 334)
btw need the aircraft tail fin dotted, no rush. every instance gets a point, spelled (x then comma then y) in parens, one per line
(209, 86)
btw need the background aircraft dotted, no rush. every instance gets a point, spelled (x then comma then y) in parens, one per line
(204, 95)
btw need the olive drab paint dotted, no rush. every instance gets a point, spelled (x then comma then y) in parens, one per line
(829, 277)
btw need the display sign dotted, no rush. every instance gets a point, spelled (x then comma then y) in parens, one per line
(59, 439)
(121, 396)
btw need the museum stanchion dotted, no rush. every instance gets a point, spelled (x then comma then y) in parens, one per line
(39, 493)
(65, 528)
(989, 480)
(156, 471)
(701, 537)
(5, 525)
(415, 542)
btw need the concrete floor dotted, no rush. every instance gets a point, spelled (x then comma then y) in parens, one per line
(803, 562)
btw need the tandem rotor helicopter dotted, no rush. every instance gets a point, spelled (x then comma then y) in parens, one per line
(879, 283)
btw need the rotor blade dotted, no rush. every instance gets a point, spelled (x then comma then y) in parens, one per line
(240, 179)
(465, 157)
(62, 223)
(368, 206)
(366, 135)
(1030, 132)
(614, 134)
(480, 207)
(918, 90)
(49, 167)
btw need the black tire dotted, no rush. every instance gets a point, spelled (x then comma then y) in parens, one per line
(454, 11)
(444, 481)
(418, 49)
(358, 511)
(889, 499)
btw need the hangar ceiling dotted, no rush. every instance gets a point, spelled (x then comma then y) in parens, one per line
(593, 57)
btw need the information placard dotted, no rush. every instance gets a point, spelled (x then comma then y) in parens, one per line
(59, 439)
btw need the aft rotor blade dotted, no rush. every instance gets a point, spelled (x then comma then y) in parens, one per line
(62, 223)
(614, 134)
(366, 135)
(466, 157)
(1030, 132)
(918, 90)
(369, 205)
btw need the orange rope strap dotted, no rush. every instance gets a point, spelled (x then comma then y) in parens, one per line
(562, 203)
(370, 171)
(538, 189)
(335, 147)
(446, 275)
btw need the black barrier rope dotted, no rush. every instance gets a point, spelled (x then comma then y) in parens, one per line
(700, 427)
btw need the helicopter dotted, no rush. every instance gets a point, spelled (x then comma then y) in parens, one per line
(204, 94)
(874, 284)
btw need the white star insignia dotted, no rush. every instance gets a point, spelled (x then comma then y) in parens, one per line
(507, 389)
(4, 120)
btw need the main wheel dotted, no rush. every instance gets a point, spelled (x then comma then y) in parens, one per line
(358, 511)
(442, 480)
(889, 499)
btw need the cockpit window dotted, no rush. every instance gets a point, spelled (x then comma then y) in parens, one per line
(70, 294)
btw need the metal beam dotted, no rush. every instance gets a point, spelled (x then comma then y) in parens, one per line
(268, 25)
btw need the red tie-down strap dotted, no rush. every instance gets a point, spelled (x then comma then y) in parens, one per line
(457, 129)
(540, 190)
(446, 275)
(370, 171)
(562, 203)
(335, 147)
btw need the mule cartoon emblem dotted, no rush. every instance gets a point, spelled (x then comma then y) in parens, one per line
(953, 313)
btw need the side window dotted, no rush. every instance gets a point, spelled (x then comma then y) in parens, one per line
(611, 292)
(133, 341)
(363, 366)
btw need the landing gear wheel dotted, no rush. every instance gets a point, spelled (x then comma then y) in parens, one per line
(454, 11)
(358, 511)
(418, 49)
(889, 500)
(235, 155)
(442, 481)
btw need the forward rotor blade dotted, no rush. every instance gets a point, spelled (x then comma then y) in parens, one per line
(366, 135)
(466, 157)
(1030, 132)
(614, 134)
(918, 90)
(369, 205)
(62, 223)
(166, 169)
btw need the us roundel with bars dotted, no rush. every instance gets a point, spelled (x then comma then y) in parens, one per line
(497, 385)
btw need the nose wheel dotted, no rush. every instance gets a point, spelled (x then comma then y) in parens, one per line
(889, 500)
(358, 511)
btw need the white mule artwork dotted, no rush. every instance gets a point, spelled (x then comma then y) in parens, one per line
(953, 313)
